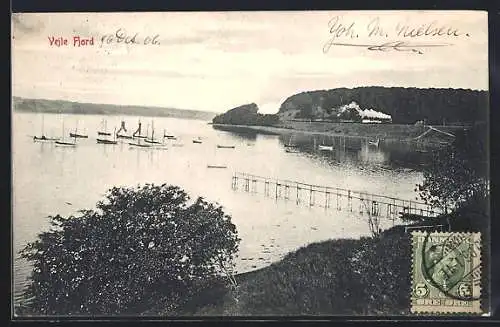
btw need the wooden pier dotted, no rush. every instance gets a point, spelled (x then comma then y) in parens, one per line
(331, 197)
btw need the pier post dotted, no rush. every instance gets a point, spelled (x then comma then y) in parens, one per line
(367, 202)
(349, 200)
(375, 210)
(327, 195)
(298, 199)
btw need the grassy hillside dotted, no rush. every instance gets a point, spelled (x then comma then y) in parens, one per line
(68, 107)
(366, 276)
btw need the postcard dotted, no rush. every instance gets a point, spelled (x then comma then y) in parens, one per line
(255, 164)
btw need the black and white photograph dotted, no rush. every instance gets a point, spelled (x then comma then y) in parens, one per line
(250, 164)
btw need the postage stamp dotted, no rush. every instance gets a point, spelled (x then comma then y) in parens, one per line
(446, 272)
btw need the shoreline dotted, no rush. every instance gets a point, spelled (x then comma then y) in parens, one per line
(386, 132)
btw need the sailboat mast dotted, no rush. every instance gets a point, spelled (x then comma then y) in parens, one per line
(43, 127)
(76, 130)
(152, 130)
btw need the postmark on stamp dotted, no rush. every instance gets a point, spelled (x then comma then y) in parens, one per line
(446, 272)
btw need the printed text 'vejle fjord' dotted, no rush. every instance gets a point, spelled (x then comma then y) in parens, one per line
(76, 41)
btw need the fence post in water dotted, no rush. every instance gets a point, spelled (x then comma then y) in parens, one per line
(235, 183)
(375, 210)
(327, 195)
(338, 201)
(286, 191)
(276, 190)
(266, 187)
(310, 195)
(247, 184)
(349, 200)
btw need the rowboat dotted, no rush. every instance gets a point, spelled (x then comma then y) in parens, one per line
(216, 166)
(325, 147)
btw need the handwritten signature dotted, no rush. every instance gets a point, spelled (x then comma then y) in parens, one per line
(344, 34)
(122, 36)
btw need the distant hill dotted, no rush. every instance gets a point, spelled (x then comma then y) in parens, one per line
(69, 107)
(404, 105)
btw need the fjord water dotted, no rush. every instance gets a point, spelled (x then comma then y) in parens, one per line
(49, 180)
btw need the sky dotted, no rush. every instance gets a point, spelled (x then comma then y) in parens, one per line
(215, 61)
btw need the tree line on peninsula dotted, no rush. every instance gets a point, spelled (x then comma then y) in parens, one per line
(404, 105)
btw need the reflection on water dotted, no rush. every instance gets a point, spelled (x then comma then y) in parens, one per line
(360, 152)
(50, 180)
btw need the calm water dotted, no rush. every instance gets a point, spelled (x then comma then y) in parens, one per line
(48, 180)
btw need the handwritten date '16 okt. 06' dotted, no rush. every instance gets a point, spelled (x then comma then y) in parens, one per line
(122, 36)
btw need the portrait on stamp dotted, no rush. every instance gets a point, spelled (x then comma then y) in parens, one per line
(250, 164)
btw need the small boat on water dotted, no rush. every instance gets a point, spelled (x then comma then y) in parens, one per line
(43, 137)
(225, 146)
(292, 150)
(122, 136)
(122, 129)
(104, 141)
(325, 147)
(217, 166)
(197, 141)
(63, 142)
(77, 135)
(290, 144)
(139, 145)
(374, 143)
(152, 139)
(104, 130)
(137, 133)
(107, 140)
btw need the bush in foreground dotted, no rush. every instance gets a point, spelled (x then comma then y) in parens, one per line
(139, 244)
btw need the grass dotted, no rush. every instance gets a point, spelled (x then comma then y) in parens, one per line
(367, 276)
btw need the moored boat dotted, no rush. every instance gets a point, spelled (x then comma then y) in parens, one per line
(374, 143)
(78, 136)
(325, 147)
(104, 141)
(217, 166)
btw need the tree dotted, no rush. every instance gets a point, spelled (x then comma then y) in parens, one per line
(350, 114)
(138, 245)
(459, 172)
